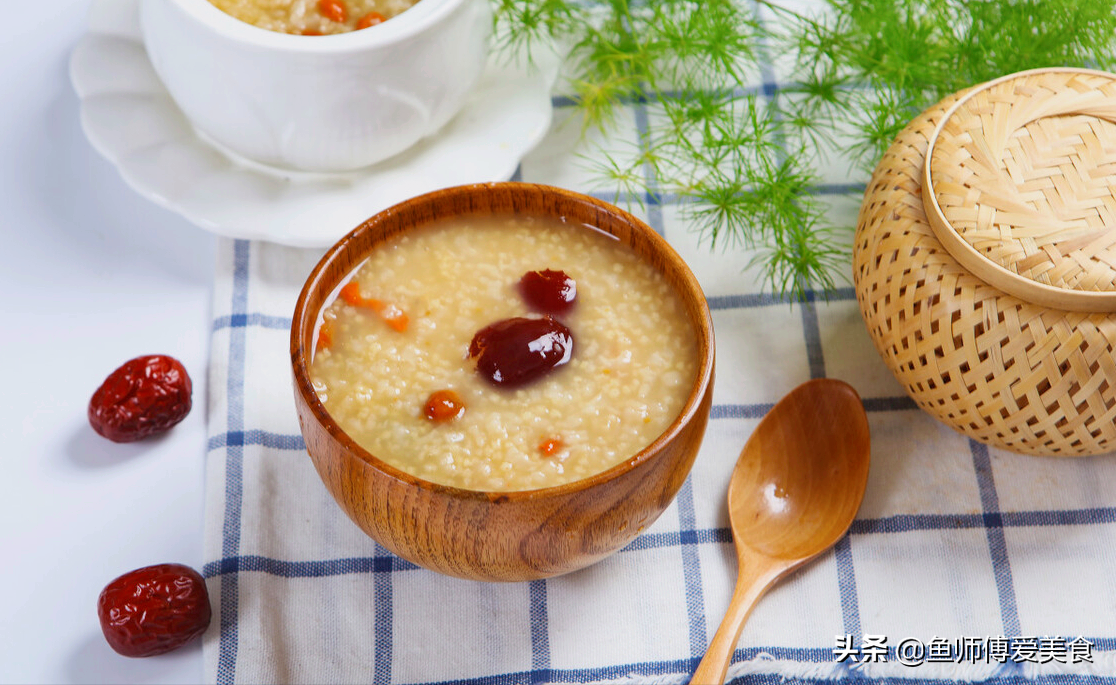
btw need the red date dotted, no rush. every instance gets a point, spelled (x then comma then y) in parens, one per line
(515, 351)
(553, 292)
(146, 396)
(154, 609)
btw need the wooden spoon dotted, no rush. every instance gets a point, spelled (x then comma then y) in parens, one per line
(794, 493)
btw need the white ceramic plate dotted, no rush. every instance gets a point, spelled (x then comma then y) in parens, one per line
(130, 119)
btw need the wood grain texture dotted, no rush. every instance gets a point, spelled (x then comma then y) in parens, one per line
(794, 492)
(500, 536)
(1008, 372)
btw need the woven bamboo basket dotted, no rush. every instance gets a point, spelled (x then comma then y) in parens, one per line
(985, 261)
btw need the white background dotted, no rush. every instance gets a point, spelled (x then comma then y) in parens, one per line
(92, 275)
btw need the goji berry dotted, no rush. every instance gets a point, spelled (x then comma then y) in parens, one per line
(443, 405)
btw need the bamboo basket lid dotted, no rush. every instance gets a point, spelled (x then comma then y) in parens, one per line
(1020, 186)
(1007, 336)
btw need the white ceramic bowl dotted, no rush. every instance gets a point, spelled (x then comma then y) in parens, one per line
(317, 103)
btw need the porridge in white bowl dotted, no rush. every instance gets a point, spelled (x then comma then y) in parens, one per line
(313, 17)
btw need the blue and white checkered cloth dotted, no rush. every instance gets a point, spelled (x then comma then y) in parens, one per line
(965, 563)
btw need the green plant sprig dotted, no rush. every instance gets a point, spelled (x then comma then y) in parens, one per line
(744, 166)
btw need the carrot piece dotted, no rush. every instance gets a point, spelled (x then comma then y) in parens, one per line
(550, 446)
(333, 10)
(390, 313)
(393, 315)
(325, 336)
(350, 292)
(370, 19)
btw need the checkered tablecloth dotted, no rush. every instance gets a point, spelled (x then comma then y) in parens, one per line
(971, 562)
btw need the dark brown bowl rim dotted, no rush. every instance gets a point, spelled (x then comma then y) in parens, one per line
(300, 361)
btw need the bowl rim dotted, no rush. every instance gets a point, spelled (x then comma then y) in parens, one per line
(401, 27)
(300, 362)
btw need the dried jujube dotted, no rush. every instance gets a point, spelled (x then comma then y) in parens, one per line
(549, 291)
(145, 396)
(515, 351)
(153, 610)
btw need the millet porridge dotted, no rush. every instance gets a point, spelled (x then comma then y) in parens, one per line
(407, 363)
(313, 17)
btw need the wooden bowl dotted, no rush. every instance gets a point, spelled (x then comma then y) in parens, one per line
(505, 536)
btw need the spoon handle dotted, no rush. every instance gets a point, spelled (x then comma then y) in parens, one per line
(751, 583)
